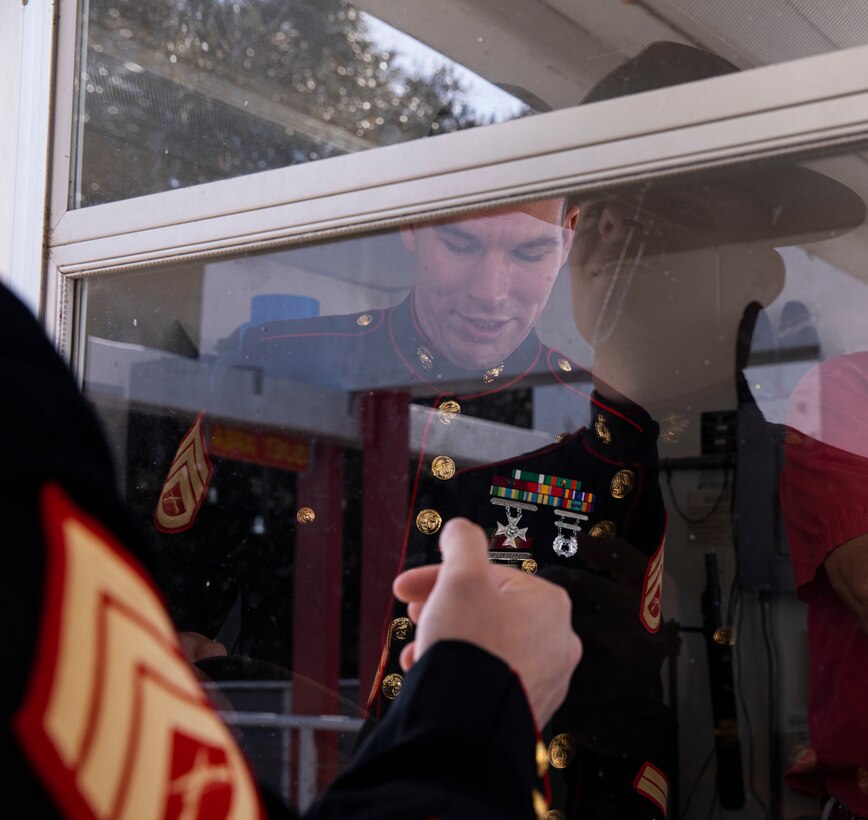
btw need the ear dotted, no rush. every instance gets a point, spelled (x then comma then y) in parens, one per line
(571, 222)
(770, 275)
(408, 237)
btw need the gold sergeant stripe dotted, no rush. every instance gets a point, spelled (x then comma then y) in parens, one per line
(652, 783)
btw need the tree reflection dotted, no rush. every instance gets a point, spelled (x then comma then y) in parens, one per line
(186, 92)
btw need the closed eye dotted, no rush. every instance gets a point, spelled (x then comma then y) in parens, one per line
(527, 255)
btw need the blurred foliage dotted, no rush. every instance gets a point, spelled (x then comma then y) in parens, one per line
(295, 81)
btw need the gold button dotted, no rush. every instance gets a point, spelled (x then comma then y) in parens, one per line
(490, 375)
(529, 566)
(672, 426)
(443, 467)
(562, 750)
(622, 483)
(792, 438)
(604, 529)
(542, 759)
(305, 515)
(724, 635)
(428, 521)
(426, 357)
(400, 628)
(540, 805)
(392, 685)
(561, 437)
(602, 430)
(564, 365)
(448, 410)
(364, 320)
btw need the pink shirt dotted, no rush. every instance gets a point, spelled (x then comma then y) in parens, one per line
(824, 495)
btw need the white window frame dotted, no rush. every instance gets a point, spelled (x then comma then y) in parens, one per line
(792, 107)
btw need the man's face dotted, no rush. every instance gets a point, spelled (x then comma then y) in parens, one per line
(482, 282)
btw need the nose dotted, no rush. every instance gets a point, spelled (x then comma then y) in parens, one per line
(488, 284)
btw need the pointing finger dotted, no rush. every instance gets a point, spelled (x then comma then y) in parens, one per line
(463, 545)
(415, 584)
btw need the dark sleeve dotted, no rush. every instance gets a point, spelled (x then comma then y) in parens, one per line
(459, 742)
(56, 462)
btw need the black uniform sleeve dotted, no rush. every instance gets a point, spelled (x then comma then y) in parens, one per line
(458, 743)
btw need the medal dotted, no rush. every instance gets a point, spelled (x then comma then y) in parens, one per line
(511, 531)
(566, 546)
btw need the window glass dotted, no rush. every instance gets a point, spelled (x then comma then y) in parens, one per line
(176, 94)
(680, 361)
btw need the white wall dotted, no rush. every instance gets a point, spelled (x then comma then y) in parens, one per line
(25, 66)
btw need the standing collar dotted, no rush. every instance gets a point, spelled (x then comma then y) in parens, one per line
(428, 365)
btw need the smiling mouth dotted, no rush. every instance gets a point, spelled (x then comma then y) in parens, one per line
(485, 324)
(482, 329)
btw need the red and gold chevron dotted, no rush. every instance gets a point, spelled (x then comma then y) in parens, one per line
(652, 783)
(652, 591)
(186, 483)
(115, 722)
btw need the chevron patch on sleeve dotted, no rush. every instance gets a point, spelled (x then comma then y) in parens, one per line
(652, 783)
(187, 482)
(114, 721)
(652, 591)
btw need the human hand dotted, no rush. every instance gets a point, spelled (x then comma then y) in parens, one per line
(196, 646)
(522, 619)
(847, 569)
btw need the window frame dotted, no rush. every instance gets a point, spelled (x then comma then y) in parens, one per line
(799, 106)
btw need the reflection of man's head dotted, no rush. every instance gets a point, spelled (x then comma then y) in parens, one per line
(671, 266)
(664, 272)
(483, 280)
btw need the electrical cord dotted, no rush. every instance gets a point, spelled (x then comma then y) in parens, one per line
(713, 509)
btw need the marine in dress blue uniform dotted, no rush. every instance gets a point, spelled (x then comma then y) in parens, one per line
(586, 512)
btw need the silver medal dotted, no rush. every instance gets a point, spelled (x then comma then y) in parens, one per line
(566, 546)
(511, 531)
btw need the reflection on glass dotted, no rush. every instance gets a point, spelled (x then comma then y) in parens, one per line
(171, 95)
(191, 92)
(581, 376)
(822, 500)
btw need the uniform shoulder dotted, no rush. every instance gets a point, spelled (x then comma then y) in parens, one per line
(348, 324)
(562, 366)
